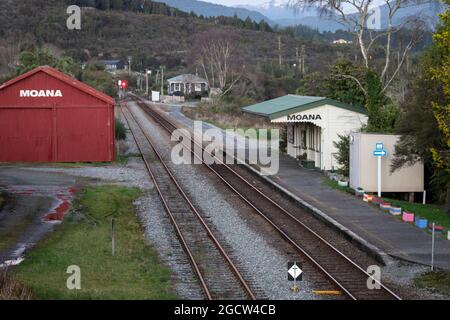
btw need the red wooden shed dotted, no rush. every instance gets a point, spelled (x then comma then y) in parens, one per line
(47, 116)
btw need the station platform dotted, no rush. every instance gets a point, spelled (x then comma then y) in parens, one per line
(394, 237)
(381, 233)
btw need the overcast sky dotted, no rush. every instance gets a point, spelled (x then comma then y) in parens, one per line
(237, 2)
(259, 2)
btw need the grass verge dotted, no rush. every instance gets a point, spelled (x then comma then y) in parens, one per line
(437, 281)
(84, 239)
(429, 211)
(225, 114)
(120, 160)
(335, 185)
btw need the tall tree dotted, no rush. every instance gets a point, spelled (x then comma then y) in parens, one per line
(357, 23)
(441, 110)
(425, 125)
(335, 83)
(29, 60)
(215, 52)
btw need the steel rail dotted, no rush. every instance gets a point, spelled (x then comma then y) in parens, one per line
(211, 235)
(183, 242)
(160, 119)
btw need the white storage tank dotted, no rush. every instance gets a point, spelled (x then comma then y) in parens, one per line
(363, 165)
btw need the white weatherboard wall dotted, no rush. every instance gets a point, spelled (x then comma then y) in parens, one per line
(363, 166)
(333, 121)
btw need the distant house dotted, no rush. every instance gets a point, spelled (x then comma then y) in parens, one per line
(342, 41)
(187, 84)
(113, 65)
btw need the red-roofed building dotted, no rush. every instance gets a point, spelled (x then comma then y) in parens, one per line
(47, 116)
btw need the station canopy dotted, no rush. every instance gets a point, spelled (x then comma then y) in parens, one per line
(290, 104)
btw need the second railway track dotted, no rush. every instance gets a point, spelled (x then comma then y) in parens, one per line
(218, 275)
(347, 275)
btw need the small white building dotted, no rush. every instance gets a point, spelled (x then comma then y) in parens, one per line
(186, 84)
(342, 41)
(364, 168)
(313, 124)
(113, 65)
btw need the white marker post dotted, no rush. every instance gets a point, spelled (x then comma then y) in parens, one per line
(432, 245)
(379, 152)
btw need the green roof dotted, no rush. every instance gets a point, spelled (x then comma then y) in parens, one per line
(290, 104)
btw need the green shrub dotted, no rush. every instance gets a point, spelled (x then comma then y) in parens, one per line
(343, 154)
(121, 132)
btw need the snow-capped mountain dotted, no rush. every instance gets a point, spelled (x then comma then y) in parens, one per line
(279, 10)
(280, 13)
(209, 9)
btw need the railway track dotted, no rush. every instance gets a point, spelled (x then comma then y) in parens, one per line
(218, 275)
(347, 275)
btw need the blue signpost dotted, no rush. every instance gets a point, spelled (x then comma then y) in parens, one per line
(379, 152)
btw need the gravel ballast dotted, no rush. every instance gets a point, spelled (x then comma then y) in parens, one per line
(263, 264)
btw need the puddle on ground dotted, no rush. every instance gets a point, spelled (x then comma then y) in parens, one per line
(62, 197)
(34, 210)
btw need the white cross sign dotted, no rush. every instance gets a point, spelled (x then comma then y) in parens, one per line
(295, 272)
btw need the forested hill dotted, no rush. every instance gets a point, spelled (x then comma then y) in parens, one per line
(223, 17)
(208, 9)
(148, 6)
(152, 39)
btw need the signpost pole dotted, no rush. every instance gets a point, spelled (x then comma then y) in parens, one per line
(379, 176)
(146, 83)
(379, 152)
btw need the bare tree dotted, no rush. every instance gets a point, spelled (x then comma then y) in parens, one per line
(9, 52)
(215, 52)
(358, 16)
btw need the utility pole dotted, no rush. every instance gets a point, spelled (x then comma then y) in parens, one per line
(129, 65)
(147, 73)
(162, 80)
(279, 51)
(297, 60)
(303, 56)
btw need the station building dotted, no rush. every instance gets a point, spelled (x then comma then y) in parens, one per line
(48, 116)
(313, 125)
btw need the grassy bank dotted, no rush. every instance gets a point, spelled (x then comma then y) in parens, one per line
(438, 281)
(121, 159)
(84, 239)
(225, 114)
(429, 211)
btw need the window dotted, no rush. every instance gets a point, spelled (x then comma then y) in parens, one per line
(290, 133)
(319, 139)
(303, 135)
(311, 137)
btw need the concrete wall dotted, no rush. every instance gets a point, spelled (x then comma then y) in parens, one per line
(363, 166)
(333, 121)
